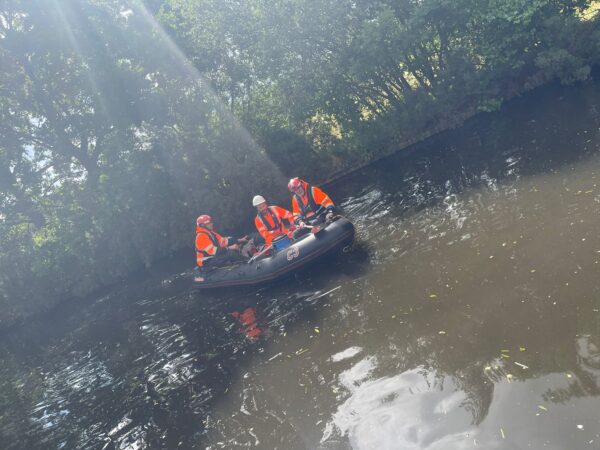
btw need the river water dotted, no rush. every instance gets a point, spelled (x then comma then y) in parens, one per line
(466, 316)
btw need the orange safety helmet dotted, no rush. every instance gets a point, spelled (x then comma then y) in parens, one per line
(294, 184)
(203, 220)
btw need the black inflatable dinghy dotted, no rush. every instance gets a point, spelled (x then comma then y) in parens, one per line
(307, 248)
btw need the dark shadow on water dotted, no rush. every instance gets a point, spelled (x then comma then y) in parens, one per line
(486, 148)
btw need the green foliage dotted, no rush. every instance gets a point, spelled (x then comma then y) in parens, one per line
(120, 122)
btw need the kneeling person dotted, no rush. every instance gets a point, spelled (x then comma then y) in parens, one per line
(269, 220)
(309, 200)
(212, 248)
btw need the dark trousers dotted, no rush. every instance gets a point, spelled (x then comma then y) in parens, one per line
(223, 259)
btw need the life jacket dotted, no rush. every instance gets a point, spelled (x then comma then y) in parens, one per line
(310, 207)
(277, 224)
(203, 254)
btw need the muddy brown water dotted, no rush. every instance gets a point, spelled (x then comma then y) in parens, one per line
(466, 316)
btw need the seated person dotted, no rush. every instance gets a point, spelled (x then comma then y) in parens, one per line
(213, 249)
(270, 220)
(307, 200)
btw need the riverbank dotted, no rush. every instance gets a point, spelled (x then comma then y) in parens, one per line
(451, 122)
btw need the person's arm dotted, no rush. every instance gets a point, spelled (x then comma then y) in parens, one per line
(225, 243)
(222, 240)
(322, 199)
(284, 214)
(231, 244)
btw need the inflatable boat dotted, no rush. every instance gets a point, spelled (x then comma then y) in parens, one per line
(282, 261)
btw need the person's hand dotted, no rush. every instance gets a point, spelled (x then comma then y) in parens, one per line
(234, 247)
(301, 224)
(244, 239)
(329, 216)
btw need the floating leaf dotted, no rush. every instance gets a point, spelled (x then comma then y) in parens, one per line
(522, 366)
(433, 296)
(502, 433)
(543, 408)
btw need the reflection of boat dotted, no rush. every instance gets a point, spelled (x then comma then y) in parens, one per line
(303, 250)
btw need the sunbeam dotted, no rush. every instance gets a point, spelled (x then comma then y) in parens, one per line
(65, 18)
(183, 62)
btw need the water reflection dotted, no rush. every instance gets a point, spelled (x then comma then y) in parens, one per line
(173, 366)
(413, 410)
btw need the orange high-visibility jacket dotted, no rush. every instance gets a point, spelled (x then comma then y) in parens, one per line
(208, 244)
(309, 203)
(270, 224)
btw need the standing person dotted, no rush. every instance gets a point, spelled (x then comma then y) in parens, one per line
(213, 248)
(307, 200)
(269, 220)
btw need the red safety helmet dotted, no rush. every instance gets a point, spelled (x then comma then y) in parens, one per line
(294, 184)
(203, 220)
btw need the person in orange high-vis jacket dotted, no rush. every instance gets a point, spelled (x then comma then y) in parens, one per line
(211, 246)
(307, 200)
(270, 220)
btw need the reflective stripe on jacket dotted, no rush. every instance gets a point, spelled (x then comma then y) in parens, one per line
(207, 244)
(310, 202)
(270, 224)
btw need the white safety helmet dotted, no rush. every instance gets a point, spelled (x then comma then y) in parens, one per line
(257, 200)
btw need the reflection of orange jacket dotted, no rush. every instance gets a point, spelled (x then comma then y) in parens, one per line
(249, 323)
(309, 203)
(270, 224)
(208, 244)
